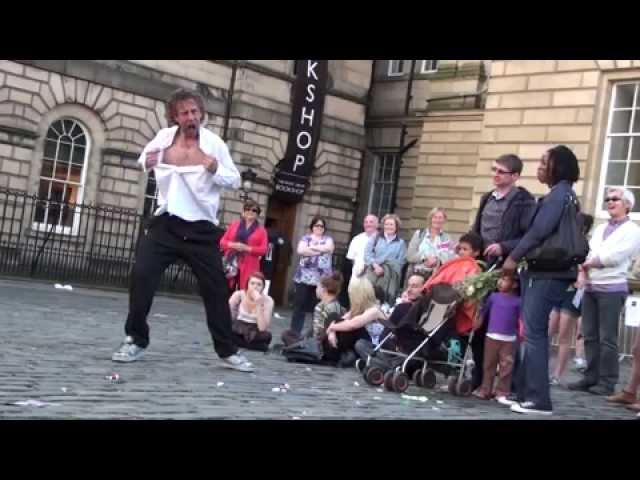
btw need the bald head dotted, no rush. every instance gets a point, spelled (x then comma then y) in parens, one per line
(415, 284)
(370, 224)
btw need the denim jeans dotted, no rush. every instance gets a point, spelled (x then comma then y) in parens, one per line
(600, 320)
(541, 294)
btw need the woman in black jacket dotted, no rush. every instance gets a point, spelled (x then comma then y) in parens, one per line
(558, 168)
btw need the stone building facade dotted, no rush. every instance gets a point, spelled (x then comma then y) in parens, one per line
(115, 107)
(467, 113)
(397, 135)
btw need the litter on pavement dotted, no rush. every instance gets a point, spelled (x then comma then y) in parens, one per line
(63, 287)
(35, 403)
(114, 378)
(412, 397)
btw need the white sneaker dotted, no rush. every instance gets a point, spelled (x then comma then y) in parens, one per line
(238, 362)
(128, 352)
(580, 363)
(502, 400)
(529, 408)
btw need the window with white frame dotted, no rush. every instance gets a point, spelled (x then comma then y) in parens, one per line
(396, 67)
(150, 195)
(62, 177)
(429, 66)
(621, 165)
(384, 183)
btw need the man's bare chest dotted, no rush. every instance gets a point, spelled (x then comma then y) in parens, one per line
(182, 157)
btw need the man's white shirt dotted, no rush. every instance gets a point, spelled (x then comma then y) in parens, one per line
(192, 192)
(356, 252)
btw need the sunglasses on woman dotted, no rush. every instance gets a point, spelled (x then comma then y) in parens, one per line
(612, 199)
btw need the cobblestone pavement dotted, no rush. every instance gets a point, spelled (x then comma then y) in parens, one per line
(56, 347)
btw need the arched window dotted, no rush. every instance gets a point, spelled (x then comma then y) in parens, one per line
(62, 178)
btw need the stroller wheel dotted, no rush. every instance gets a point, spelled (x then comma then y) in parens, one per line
(428, 379)
(400, 381)
(452, 385)
(417, 378)
(388, 380)
(360, 364)
(464, 389)
(374, 376)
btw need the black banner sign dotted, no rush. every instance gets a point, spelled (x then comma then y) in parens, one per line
(294, 170)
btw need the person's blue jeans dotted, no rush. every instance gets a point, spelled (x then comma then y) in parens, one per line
(533, 373)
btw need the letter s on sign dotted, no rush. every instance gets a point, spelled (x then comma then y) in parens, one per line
(311, 96)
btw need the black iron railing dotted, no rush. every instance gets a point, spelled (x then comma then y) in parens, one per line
(75, 243)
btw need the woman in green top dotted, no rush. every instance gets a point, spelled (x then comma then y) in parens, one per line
(429, 247)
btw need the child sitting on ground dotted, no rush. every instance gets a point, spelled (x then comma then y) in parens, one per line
(502, 311)
(327, 292)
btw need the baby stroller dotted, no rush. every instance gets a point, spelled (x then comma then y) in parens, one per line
(430, 319)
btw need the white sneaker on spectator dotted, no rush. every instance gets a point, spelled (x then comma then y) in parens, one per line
(238, 362)
(502, 400)
(580, 363)
(529, 408)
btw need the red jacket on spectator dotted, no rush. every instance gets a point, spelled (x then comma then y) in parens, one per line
(248, 262)
(451, 272)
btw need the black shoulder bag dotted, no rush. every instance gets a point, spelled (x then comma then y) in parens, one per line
(567, 245)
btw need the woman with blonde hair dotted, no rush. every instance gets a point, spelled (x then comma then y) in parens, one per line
(362, 321)
(384, 258)
(429, 247)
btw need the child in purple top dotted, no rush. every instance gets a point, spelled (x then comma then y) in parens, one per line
(503, 311)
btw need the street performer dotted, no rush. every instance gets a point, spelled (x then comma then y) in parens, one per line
(191, 166)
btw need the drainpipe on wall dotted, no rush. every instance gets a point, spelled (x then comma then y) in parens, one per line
(403, 134)
(227, 113)
(356, 205)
